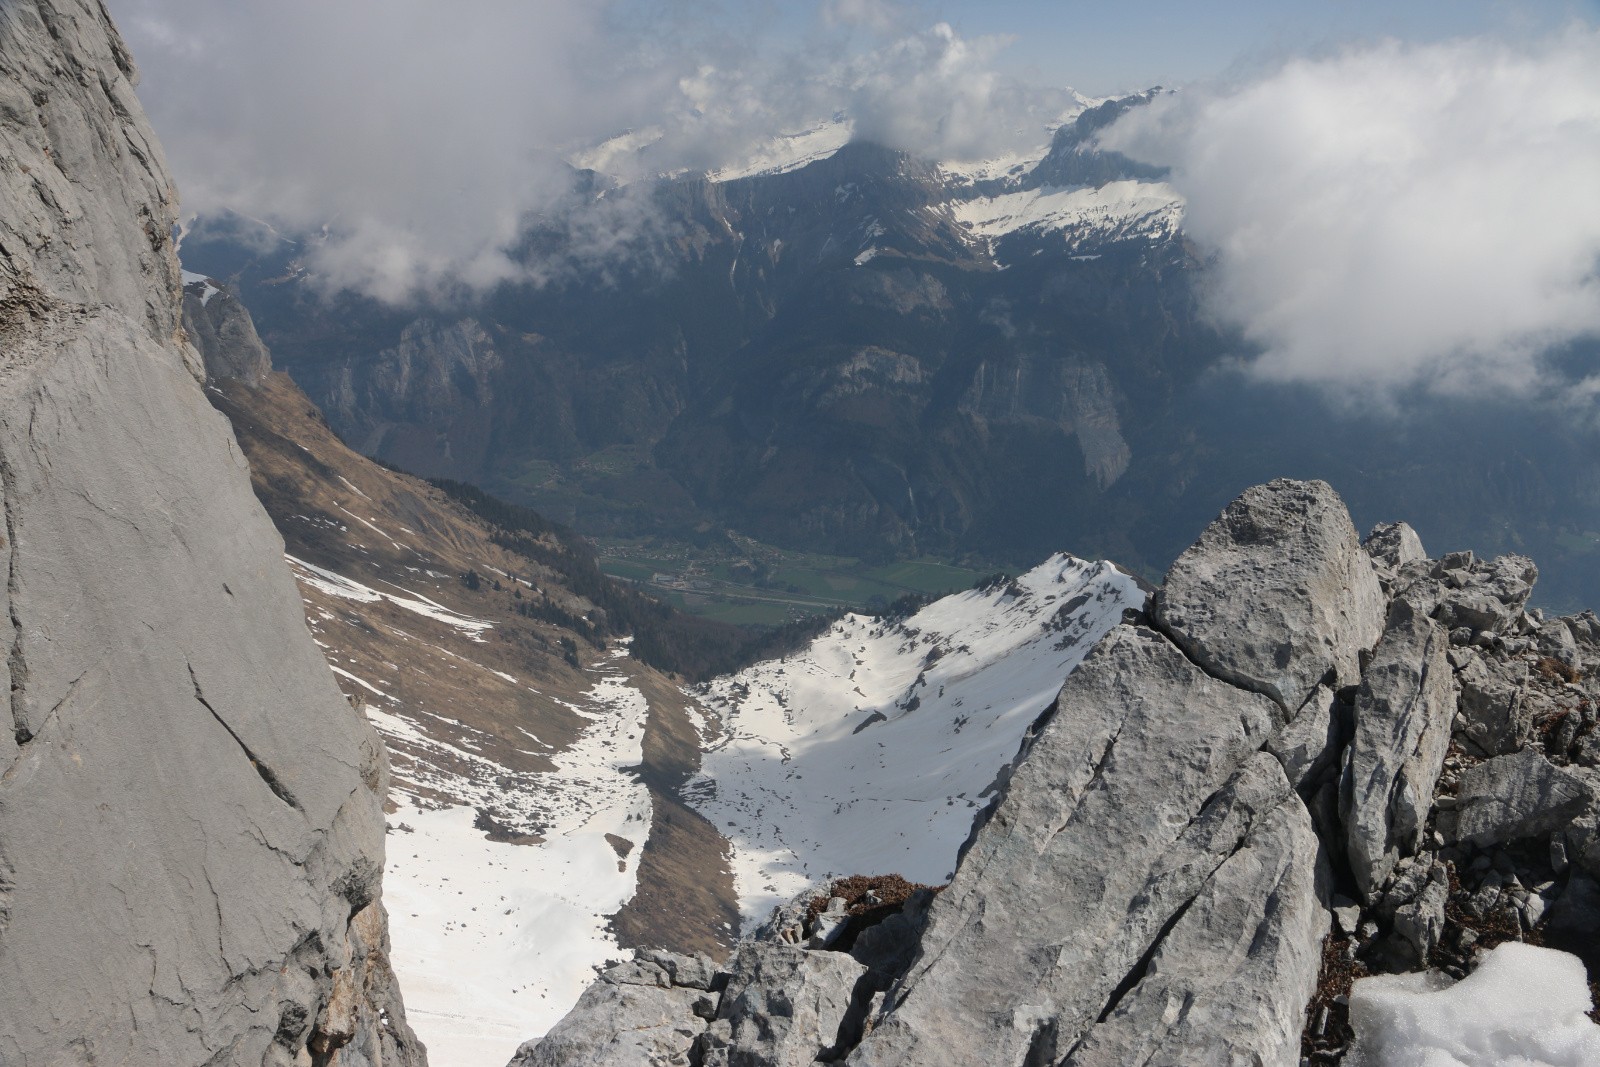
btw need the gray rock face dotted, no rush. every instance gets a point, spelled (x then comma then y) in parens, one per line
(191, 832)
(1073, 396)
(1277, 594)
(440, 373)
(223, 331)
(632, 1016)
(1230, 983)
(787, 1007)
(1497, 720)
(1149, 761)
(1402, 730)
(1392, 545)
(1484, 596)
(1512, 797)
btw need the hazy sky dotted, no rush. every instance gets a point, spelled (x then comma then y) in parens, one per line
(1396, 193)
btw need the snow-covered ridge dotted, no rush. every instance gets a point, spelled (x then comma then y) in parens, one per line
(1122, 209)
(781, 154)
(872, 750)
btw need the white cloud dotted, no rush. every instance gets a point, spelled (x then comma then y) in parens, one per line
(1397, 216)
(424, 138)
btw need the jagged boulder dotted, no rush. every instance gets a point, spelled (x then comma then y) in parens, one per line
(1483, 596)
(1393, 545)
(1511, 797)
(1277, 595)
(1495, 718)
(787, 1007)
(632, 1016)
(1403, 715)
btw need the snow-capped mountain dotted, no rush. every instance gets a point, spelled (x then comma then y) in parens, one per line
(870, 751)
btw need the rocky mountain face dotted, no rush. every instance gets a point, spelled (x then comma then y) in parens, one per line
(1307, 758)
(873, 354)
(191, 831)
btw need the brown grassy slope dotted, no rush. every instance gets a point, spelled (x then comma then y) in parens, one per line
(500, 696)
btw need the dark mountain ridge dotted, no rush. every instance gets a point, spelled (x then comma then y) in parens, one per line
(876, 356)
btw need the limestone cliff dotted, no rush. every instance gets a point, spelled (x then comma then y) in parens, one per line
(191, 832)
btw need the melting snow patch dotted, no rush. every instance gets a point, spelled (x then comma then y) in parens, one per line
(1522, 1007)
(206, 289)
(338, 585)
(494, 942)
(871, 751)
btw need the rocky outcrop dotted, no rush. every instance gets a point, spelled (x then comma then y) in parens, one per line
(225, 335)
(1402, 727)
(1277, 596)
(1156, 883)
(191, 832)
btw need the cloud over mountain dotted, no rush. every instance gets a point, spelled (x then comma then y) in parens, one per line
(1394, 217)
(423, 140)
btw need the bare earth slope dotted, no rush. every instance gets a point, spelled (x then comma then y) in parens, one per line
(191, 833)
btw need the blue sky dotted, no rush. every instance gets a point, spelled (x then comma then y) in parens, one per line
(1103, 47)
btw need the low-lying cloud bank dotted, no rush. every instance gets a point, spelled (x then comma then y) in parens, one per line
(1397, 217)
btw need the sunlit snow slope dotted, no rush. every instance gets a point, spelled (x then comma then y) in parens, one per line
(499, 940)
(872, 750)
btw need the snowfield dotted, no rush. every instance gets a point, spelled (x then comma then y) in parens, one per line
(494, 942)
(871, 751)
(1123, 209)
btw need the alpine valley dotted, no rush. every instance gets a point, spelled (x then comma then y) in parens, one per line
(840, 348)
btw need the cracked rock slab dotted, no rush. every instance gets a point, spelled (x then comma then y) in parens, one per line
(1148, 760)
(1277, 595)
(1231, 981)
(1403, 713)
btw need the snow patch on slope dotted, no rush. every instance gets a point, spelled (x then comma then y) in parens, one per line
(1119, 210)
(872, 750)
(335, 584)
(779, 155)
(201, 285)
(494, 942)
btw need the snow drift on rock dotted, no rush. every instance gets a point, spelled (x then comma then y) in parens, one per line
(1522, 1007)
